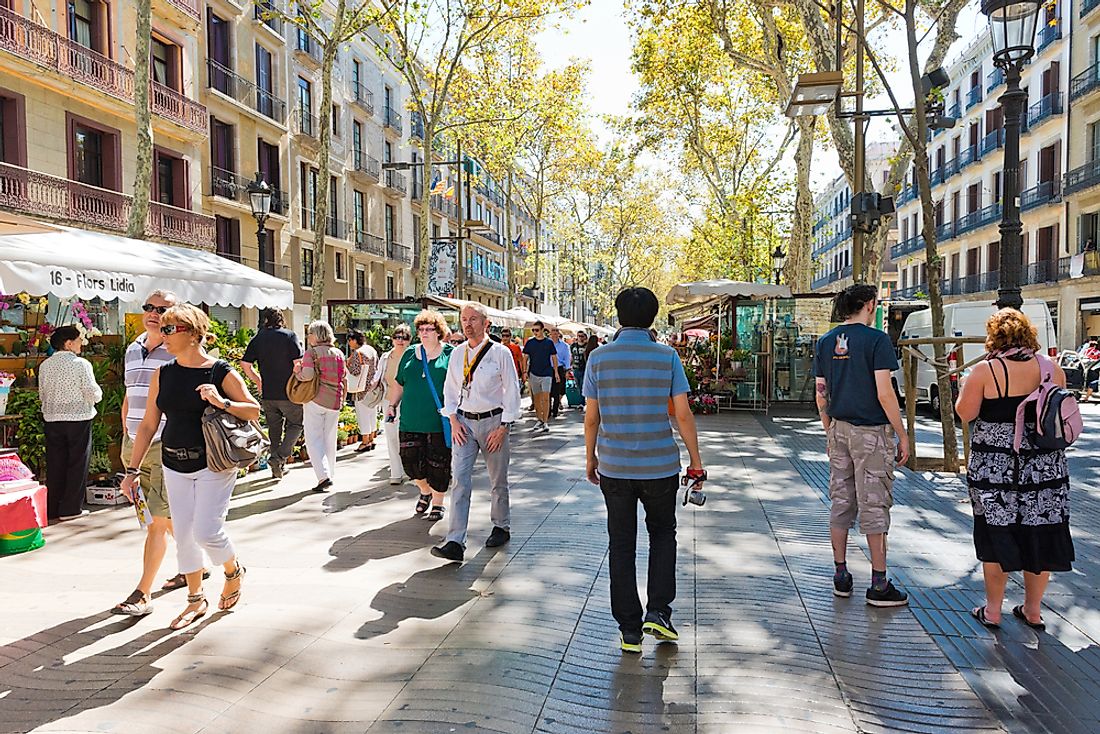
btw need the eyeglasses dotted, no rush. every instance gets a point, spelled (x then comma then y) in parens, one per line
(401, 337)
(536, 331)
(170, 329)
(150, 307)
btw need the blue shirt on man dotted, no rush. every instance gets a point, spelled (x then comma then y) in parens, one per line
(847, 358)
(633, 378)
(562, 352)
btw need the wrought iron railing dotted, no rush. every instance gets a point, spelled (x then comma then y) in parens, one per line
(1082, 177)
(392, 119)
(1048, 34)
(235, 86)
(231, 185)
(399, 253)
(907, 246)
(335, 227)
(1048, 106)
(1085, 82)
(369, 243)
(396, 181)
(978, 219)
(365, 164)
(993, 140)
(974, 96)
(31, 192)
(269, 12)
(306, 124)
(1047, 192)
(363, 97)
(1087, 6)
(994, 79)
(307, 46)
(190, 7)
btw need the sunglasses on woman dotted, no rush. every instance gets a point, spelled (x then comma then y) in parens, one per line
(400, 338)
(150, 307)
(170, 329)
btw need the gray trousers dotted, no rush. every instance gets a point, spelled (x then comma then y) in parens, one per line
(280, 415)
(463, 459)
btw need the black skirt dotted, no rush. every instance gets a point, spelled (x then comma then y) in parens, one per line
(426, 456)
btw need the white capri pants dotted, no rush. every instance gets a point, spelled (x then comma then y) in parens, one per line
(321, 425)
(199, 502)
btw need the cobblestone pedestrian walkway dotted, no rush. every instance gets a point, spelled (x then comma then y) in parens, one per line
(347, 624)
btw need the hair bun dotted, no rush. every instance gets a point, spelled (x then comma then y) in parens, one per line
(209, 339)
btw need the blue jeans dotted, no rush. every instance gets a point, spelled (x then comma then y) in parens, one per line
(658, 497)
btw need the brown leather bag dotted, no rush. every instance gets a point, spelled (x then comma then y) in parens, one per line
(301, 391)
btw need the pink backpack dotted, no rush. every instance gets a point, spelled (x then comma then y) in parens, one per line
(1057, 415)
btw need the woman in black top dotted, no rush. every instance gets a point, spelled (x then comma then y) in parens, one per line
(198, 498)
(1020, 499)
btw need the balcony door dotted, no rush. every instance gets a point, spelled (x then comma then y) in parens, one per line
(993, 257)
(265, 82)
(219, 67)
(267, 156)
(1049, 163)
(1051, 79)
(223, 166)
(391, 224)
(164, 63)
(305, 105)
(170, 182)
(972, 260)
(88, 24)
(973, 198)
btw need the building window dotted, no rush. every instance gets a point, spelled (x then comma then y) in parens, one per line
(305, 105)
(227, 237)
(309, 195)
(391, 224)
(360, 214)
(339, 269)
(307, 267)
(170, 186)
(267, 253)
(336, 120)
(87, 25)
(360, 284)
(391, 285)
(94, 154)
(269, 166)
(13, 129)
(265, 83)
(164, 63)
(223, 165)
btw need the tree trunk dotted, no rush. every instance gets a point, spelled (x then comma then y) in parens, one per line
(796, 270)
(423, 237)
(320, 213)
(143, 174)
(918, 139)
(509, 249)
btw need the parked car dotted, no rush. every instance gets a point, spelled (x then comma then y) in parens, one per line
(964, 319)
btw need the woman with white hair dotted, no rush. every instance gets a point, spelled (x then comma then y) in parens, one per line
(321, 416)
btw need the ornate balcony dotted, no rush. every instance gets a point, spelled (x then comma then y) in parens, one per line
(445, 206)
(1047, 192)
(31, 192)
(306, 124)
(392, 119)
(35, 43)
(363, 163)
(1085, 83)
(399, 253)
(190, 7)
(1047, 35)
(416, 126)
(478, 280)
(937, 176)
(336, 227)
(236, 87)
(232, 186)
(364, 98)
(395, 181)
(268, 12)
(907, 246)
(369, 243)
(978, 219)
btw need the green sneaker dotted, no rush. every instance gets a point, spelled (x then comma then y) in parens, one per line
(660, 626)
(630, 641)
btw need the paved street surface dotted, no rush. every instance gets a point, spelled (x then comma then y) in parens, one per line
(347, 624)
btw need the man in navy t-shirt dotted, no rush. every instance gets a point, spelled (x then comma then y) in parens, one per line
(859, 410)
(541, 368)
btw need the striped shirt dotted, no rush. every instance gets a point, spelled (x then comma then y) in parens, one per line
(140, 364)
(329, 362)
(633, 378)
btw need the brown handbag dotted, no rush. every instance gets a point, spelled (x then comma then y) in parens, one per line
(301, 391)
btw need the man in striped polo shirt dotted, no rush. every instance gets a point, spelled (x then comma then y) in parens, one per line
(143, 358)
(632, 455)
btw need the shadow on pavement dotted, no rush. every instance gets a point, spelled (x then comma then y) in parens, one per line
(350, 552)
(85, 683)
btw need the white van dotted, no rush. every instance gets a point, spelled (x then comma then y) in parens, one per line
(964, 319)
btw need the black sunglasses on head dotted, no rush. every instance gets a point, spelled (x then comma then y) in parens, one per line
(150, 307)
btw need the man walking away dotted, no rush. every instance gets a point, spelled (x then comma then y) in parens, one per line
(859, 410)
(632, 455)
(540, 368)
(275, 348)
(579, 353)
(517, 355)
(481, 399)
(562, 362)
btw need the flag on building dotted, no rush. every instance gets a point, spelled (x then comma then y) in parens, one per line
(439, 186)
(450, 193)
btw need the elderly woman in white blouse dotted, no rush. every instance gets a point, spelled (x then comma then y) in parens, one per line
(68, 391)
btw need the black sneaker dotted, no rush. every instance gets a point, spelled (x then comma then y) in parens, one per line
(450, 550)
(630, 642)
(842, 584)
(660, 626)
(497, 538)
(888, 597)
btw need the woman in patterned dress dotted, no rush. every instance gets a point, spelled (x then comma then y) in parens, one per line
(1020, 500)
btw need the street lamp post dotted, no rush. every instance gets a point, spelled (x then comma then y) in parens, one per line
(1012, 27)
(259, 199)
(778, 259)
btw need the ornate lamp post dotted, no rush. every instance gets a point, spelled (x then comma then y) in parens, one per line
(778, 259)
(259, 198)
(1012, 27)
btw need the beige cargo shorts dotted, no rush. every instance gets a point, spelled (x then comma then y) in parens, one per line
(861, 476)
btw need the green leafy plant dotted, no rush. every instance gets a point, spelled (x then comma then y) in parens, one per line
(30, 437)
(100, 463)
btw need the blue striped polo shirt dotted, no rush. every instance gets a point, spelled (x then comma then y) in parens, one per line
(633, 378)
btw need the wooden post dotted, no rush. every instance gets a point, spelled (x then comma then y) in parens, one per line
(910, 364)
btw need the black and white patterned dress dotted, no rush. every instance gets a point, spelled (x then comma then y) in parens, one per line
(1020, 501)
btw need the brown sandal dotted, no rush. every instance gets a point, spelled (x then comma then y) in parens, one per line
(228, 601)
(179, 581)
(188, 618)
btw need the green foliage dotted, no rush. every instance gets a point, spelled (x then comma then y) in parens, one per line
(377, 337)
(100, 464)
(30, 437)
(348, 420)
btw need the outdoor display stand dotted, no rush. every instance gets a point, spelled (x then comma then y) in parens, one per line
(22, 507)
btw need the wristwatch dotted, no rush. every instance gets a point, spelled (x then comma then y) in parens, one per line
(506, 424)
(226, 403)
(133, 472)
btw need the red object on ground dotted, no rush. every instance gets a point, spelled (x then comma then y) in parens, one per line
(22, 510)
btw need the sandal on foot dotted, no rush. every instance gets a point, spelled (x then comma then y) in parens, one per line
(422, 503)
(979, 614)
(228, 601)
(188, 618)
(1018, 613)
(179, 581)
(135, 605)
(435, 515)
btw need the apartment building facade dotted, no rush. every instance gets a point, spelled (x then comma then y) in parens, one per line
(831, 253)
(966, 167)
(67, 133)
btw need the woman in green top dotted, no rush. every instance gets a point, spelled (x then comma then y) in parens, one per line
(424, 453)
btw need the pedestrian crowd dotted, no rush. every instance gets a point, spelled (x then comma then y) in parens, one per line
(445, 398)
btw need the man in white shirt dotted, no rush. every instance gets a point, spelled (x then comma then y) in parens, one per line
(481, 400)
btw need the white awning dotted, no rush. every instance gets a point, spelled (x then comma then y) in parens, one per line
(528, 317)
(68, 262)
(496, 316)
(706, 289)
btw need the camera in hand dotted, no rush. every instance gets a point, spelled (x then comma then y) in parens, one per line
(693, 479)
